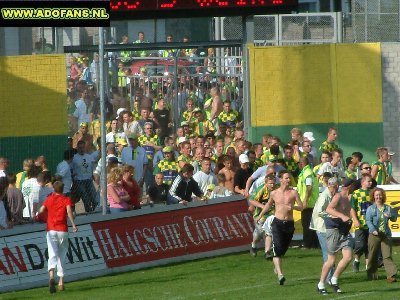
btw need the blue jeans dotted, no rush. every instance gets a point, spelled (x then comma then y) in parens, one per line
(322, 242)
(172, 200)
(114, 210)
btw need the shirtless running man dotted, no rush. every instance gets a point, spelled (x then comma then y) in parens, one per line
(337, 238)
(282, 226)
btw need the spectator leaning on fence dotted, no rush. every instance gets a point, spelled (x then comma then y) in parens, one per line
(15, 201)
(183, 187)
(204, 177)
(118, 198)
(135, 156)
(158, 192)
(82, 172)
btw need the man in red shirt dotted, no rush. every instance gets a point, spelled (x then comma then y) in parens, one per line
(58, 207)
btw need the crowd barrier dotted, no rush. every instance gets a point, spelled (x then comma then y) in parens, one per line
(128, 241)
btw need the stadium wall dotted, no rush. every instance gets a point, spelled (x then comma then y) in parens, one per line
(391, 100)
(33, 105)
(315, 87)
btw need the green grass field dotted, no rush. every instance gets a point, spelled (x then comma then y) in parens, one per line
(236, 276)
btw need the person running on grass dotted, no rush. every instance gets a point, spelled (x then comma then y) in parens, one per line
(282, 226)
(58, 207)
(258, 200)
(338, 225)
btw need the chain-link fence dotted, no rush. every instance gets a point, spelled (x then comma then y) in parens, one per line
(362, 21)
(175, 78)
(372, 21)
(310, 28)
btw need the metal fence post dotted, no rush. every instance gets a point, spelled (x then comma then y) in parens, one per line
(280, 30)
(103, 177)
(248, 37)
(339, 27)
(366, 21)
(176, 94)
(277, 25)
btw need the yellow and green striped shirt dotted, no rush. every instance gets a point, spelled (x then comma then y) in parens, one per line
(328, 146)
(202, 128)
(381, 176)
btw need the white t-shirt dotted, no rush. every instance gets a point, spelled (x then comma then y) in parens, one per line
(82, 166)
(138, 162)
(98, 169)
(81, 112)
(30, 191)
(203, 180)
(337, 171)
(132, 128)
(113, 137)
(64, 170)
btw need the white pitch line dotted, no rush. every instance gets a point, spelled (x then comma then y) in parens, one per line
(354, 295)
(218, 292)
(263, 285)
(236, 289)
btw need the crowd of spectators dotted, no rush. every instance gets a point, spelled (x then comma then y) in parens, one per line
(156, 158)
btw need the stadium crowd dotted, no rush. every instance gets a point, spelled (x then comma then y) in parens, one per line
(152, 160)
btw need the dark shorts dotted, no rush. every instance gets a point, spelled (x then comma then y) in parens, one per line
(282, 234)
(361, 242)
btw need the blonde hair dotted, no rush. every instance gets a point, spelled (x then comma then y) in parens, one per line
(296, 130)
(380, 151)
(115, 175)
(127, 168)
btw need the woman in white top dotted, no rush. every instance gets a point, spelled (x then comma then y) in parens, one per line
(30, 191)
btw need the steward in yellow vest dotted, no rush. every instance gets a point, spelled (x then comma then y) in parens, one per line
(307, 187)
